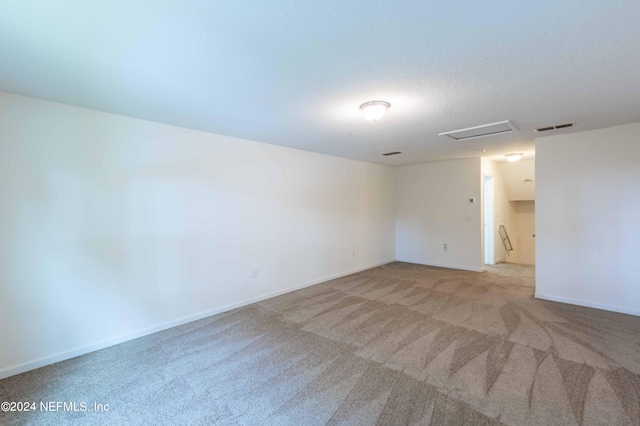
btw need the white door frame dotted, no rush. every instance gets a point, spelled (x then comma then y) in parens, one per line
(488, 215)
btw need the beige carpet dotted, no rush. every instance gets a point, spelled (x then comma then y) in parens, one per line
(400, 344)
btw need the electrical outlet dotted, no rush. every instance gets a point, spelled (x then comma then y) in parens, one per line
(353, 253)
(254, 274)
(444, 247)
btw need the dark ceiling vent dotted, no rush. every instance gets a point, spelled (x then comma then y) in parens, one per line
(558, 126)
(480, 131)
(392, 153)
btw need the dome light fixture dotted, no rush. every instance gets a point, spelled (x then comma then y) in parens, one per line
(514, 157)
(374, 110)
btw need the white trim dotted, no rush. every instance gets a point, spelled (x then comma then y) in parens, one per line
(508, 123)
(588, 304)
(51, 359)
(442, 265)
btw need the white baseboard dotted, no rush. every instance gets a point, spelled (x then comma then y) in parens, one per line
(52, 359)
(588, 304)
(441, 265)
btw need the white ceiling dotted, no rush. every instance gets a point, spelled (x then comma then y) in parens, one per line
(294, 73)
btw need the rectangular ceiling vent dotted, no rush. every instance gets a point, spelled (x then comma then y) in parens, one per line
(480, 131)
(392, 153)
(558, 126)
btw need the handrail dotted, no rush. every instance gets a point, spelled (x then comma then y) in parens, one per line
(504, 236)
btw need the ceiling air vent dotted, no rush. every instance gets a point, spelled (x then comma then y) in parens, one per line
(392, 153)
(480, 131)
(558, 126)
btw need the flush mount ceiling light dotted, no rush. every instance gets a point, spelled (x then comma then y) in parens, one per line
(374, 110)
(514, 157)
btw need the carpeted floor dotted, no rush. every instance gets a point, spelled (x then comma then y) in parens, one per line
(400, 344)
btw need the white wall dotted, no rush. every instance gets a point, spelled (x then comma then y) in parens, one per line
(112, 227)
(588, 218)
(433, 208)
(515, 173)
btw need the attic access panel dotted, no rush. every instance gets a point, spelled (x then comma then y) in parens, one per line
(480, 131)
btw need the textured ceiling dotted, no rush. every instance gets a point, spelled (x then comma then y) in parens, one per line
(293, 73)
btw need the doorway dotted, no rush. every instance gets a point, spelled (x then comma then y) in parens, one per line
(525, 228)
